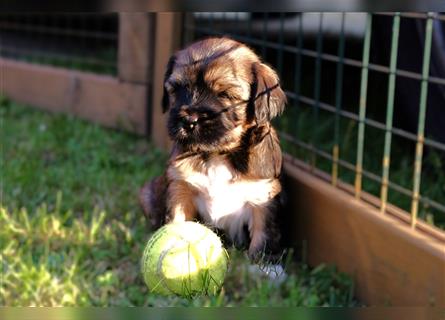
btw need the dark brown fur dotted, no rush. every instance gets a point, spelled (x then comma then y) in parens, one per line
(220, 99)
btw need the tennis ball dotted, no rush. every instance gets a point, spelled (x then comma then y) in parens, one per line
(184, 258)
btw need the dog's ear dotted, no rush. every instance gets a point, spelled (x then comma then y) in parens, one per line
(168, 72)
(267, 99)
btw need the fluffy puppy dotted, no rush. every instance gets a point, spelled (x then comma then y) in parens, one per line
(225, 164)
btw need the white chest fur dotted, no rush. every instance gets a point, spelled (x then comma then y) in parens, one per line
(225, 200)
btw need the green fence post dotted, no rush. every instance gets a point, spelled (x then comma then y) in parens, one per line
(421, 123)
(297, 79)
(338, 101)
(362, 112)
(281, 42)
(317, 92)
(389, 112)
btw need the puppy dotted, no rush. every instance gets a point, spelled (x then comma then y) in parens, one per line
(225, 164)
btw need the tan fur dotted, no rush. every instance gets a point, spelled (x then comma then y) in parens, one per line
(233, 182)
(256, 229)
(218, 192)
(180, 202)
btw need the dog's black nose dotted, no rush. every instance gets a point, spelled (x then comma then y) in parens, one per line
(189, 122)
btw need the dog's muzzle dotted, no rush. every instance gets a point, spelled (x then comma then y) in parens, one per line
(189, 122)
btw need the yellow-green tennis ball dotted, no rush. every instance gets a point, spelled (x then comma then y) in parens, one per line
(184, 258)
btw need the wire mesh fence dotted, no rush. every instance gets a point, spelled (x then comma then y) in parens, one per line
(87, 42)
(366, 95)
(366, 92)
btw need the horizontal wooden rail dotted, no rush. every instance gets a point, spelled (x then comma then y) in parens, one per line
(99, 98)
(391, 263)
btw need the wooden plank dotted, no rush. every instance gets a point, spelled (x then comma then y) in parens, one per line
(167, 37)
(102, 99)
(391, 263)
(392, 210)
(135, 46)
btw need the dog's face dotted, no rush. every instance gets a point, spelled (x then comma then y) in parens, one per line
(214, 91)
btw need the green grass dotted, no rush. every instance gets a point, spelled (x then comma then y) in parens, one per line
(72, 232)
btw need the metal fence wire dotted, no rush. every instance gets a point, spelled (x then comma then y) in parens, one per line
(366, 97)
(366, 92)
(86, 42)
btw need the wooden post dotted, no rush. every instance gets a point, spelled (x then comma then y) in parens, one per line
(167, 41)
(118, 102)
(135, 44)
(135, 59)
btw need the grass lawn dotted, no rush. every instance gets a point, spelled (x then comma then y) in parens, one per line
(72, 232)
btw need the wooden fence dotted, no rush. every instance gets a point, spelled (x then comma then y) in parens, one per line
(119, 102)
